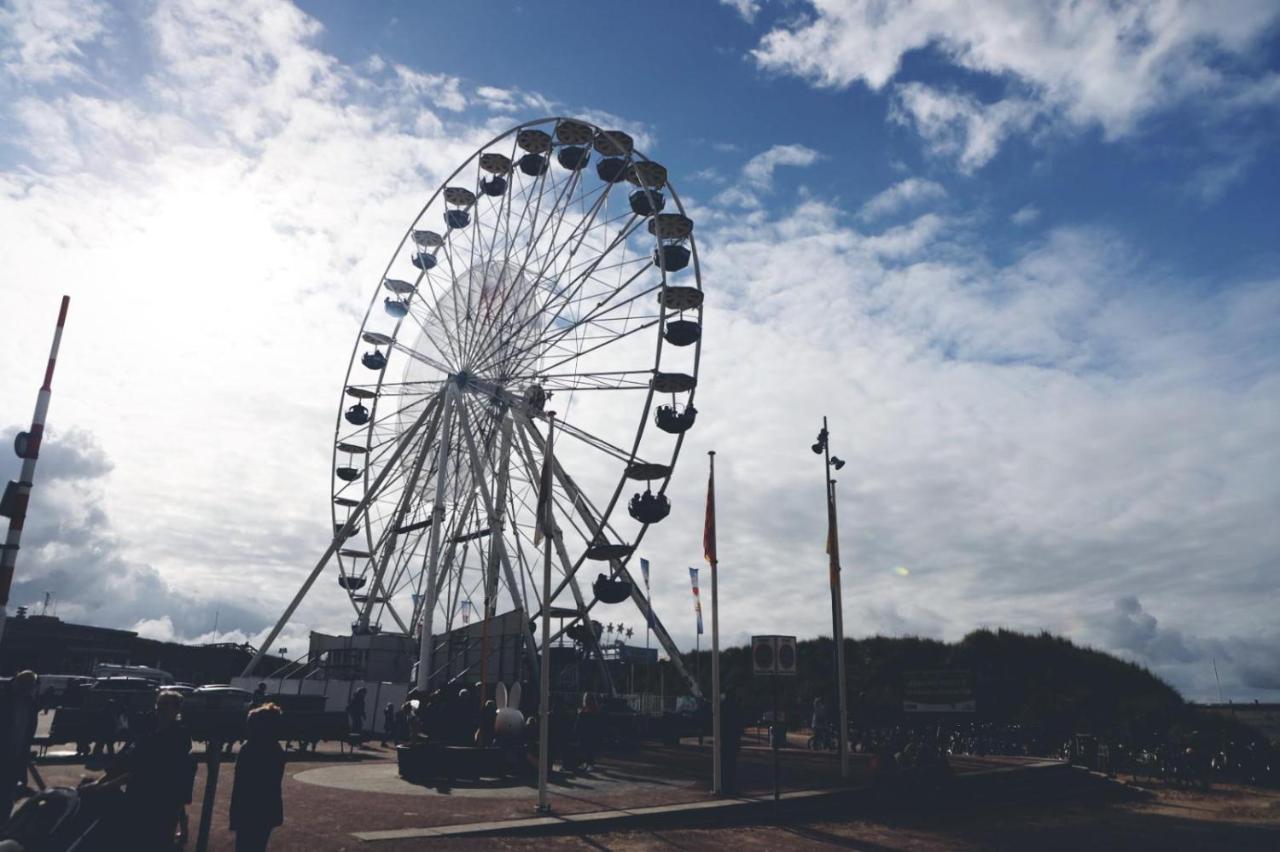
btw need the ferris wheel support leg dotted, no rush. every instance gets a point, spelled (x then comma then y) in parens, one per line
(589, 518)
(389, 537)
(557, 539)
(446, 561)
(495, 516)
(498, 522)
(437, 514)
(566, 565)
(493, 511)
(356, 514)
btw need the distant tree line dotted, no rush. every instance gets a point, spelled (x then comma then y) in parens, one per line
(1039, 680)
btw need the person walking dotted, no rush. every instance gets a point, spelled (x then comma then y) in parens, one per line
(18, 716)
(257, 803)
(388, 724)
(355, 711)
(587, 730)
(818, 719)
(105, 722)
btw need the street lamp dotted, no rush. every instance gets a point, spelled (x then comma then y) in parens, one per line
(822, 447)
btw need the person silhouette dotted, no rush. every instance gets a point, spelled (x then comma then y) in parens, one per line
(257, 802)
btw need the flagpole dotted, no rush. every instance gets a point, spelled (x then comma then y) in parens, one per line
(544, 679)
(715, 639)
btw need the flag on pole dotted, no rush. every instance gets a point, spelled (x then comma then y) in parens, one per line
(697, 600)
(648, 596)
(466, 612)
(709, 525)
(542, 523)
(833, 543)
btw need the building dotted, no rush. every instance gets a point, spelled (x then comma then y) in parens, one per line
(49, 645)
(390, 657)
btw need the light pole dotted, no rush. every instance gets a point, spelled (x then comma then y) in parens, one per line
(822, 448)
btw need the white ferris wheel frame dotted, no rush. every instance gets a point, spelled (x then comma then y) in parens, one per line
(446, 409)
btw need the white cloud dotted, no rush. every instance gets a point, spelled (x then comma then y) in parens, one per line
(42, 41)
(905, 193)
(748, 9)
(499, 100)
(160, 629)
(757, 175)
(1109, 65)
(759, 169)
(1025, 215)
(959, 127)
(439, 89)
(217, 224)
(1019, 433)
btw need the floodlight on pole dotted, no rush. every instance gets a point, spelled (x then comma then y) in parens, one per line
(837, 599)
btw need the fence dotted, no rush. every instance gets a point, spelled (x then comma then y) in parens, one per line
(337, 694)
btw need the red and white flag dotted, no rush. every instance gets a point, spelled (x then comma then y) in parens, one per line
(709, 524)
(697, 599)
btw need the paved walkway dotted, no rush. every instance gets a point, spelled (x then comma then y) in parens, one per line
(336, 801)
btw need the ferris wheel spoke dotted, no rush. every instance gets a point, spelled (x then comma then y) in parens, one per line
(578, 281)
(566, 292)
(601, 309)
(554, 216)
(385, 546)
(519, 245)
(598, 522)
(575, 354)
(422, 388)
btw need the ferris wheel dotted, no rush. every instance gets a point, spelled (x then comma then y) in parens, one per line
(553, 274)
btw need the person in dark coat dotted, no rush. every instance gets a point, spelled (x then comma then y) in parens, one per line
(257, 803)
(587, 730)
(18, 715)
(158, 774)
(389, 724)
(356, 711)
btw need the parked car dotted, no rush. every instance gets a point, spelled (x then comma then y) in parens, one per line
(216, 712)
(52, 688)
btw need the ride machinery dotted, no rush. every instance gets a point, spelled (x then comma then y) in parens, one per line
(554, 271)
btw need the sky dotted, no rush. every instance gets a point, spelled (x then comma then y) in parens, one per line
(1023, 258)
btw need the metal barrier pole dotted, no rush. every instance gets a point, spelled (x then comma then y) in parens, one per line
(213, 756)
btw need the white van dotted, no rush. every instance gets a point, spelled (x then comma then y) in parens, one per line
(112, 670)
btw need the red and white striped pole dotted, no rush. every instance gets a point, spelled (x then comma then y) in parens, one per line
(16, 494)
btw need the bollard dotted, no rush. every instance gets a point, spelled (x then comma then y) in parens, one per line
(213, 753)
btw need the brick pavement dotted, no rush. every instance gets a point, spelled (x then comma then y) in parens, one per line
(328, 795)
